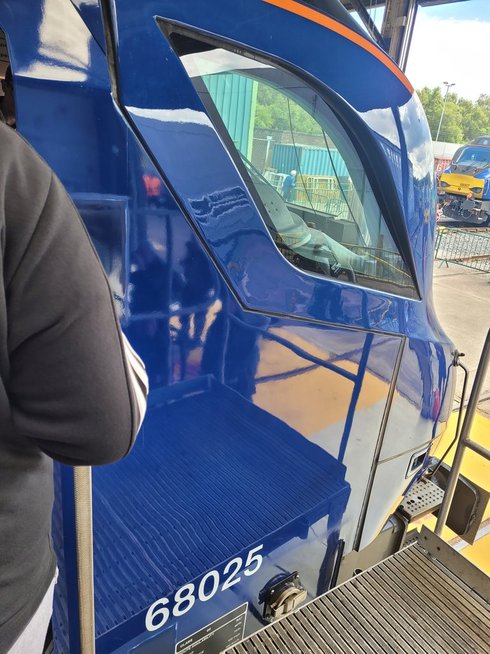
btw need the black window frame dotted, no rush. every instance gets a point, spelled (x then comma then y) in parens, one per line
(181, 36)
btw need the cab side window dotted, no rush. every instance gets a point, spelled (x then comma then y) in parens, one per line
(301, 168)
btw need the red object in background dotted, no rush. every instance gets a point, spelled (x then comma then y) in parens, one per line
(440, 165)
(153, 186)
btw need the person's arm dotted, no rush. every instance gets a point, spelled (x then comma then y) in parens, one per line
(74, 388)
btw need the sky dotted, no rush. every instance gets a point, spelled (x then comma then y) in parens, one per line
(451, 44)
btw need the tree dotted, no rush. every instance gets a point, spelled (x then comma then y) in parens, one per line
(431, 100)
(452, 129)
(480, 123)
(463, 119)
(275, 111)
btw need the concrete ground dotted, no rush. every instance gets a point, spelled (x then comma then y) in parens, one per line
(462, 300)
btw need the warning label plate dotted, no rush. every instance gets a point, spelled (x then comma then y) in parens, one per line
(217, 636)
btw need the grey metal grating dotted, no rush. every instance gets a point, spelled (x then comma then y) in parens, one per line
(408, 603)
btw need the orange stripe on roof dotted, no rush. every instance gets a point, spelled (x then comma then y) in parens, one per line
(346, 32)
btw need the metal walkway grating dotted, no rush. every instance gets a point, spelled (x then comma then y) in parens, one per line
(424, 599)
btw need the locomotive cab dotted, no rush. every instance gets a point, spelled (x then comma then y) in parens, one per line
(299, 377)
(464, 187)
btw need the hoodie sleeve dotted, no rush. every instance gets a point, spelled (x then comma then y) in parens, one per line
(75, 386)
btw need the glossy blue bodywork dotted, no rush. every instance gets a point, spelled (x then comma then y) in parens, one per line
(278, 399)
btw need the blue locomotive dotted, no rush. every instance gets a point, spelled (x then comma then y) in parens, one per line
(464, 187)
(257, 178)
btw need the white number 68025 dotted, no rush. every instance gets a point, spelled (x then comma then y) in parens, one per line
(185, 597)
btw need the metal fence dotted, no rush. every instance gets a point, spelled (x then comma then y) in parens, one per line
(465, 247)
(317, 193)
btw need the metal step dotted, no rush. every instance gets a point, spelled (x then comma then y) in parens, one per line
(424, 497)
(426, 598)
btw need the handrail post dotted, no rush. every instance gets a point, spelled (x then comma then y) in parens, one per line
(82, 478)
(464, 438)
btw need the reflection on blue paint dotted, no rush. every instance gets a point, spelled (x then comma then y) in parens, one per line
(268, 384)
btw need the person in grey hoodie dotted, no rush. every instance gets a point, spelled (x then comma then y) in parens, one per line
(70, 388)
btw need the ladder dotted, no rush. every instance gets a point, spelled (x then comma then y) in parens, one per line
(426, 598)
